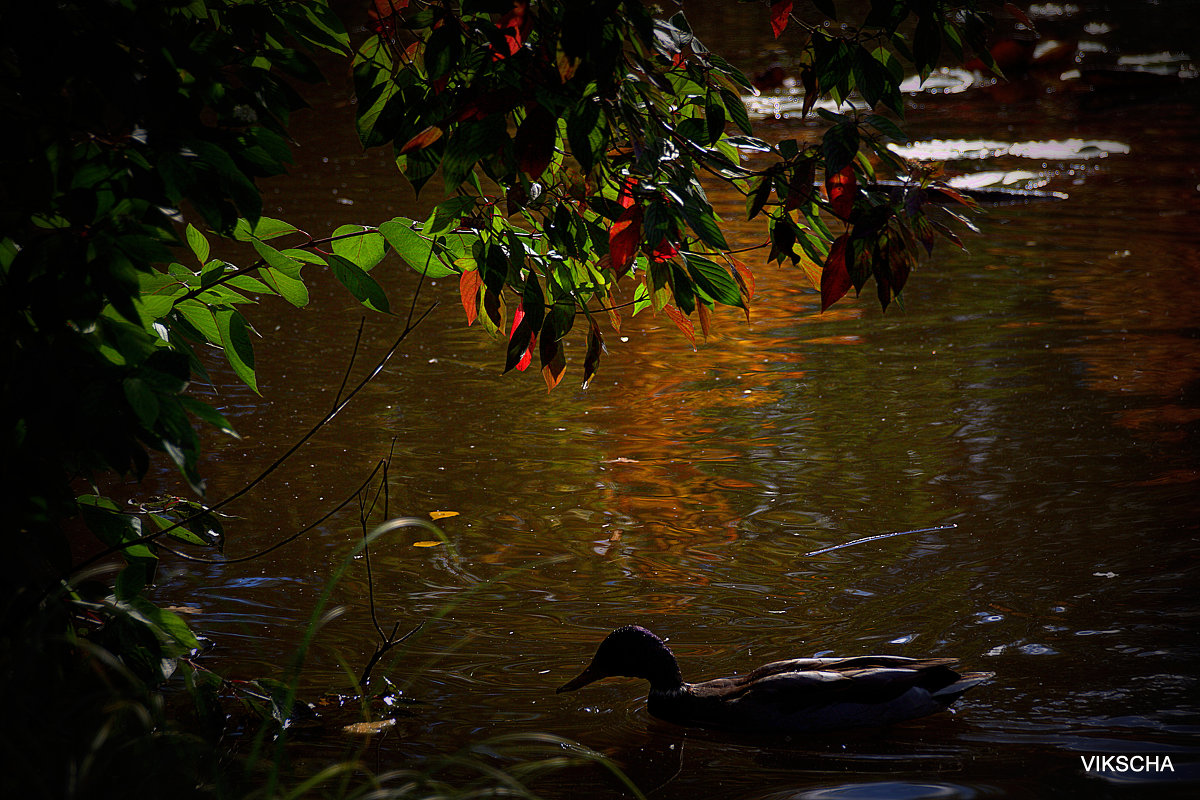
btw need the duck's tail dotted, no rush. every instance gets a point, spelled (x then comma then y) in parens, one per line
(969, 680)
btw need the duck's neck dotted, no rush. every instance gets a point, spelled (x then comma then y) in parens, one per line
(662, 670)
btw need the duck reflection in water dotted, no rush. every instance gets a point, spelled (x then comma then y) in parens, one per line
(801, 695)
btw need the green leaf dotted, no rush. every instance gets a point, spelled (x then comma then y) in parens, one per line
(169, 623)
(834, 65)
(737, 111)
(420, 165)
(703, 221)
(641, 299)
(305, 256)
(248, 283)
(586, 132)
(265, 228)
(319, 26)
(714, 280)
(757, 196)
(470, 141)
(839, 146)
(289, 288)
(277, 260)
(376, 117)
(927, 45)
(413, 248)
(725, 68)
(198, 243)
(886, 127)
(201, 318)
(442, 50)
(447, 215)
(533, 300)
(208, 414)
(366, 249)
(495, 268)
(714, 119)
(8, 252)
(143, 400)
(235, 338)
(870, 77)
(112, 527)
(681, 288)
(134, 578)
(178, 532)
(156, 306)
(364, 288)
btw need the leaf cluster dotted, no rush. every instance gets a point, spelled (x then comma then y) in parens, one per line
(573, 142)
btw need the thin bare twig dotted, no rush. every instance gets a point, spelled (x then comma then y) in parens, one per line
(409, 326)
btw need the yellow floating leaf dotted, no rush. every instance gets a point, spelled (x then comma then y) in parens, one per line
(426, 544)
(442, 514)
(184, 609)
(369, 728)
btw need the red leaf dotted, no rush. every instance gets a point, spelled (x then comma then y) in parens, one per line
(515, 198)
(664, 251)
(422, 140)
(514, 27)
(883, 288)
(554, 363)
(924, 231)
(1019, 14)
(384, 16)
(520, 335)
(901, 266)
(841, 187)
(947, 234)
(835, 277)
(623, 239)
(534, 143)
(705, 315)
(800, 184)
(527, 359)
(745, 281)
(779, 16)
(772, 78)
(682, 322)
(613, 316)
(808, 79)
(625, 196)
(899, 260)
(954, 195)
(518, 315)
(468, 288)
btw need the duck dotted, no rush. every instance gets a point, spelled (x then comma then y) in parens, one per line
(799, 695)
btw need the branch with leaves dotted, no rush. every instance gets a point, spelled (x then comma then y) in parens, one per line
(596, 123)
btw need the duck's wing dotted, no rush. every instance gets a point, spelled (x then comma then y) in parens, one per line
(804, 683)
(842, 665)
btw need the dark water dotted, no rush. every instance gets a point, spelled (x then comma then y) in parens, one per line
(1041, 392)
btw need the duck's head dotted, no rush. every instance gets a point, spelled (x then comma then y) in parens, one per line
(632, 652)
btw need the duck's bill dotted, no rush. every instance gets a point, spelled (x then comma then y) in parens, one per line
(584, 678)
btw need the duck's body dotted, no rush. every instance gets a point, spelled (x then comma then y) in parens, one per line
(801, 695)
